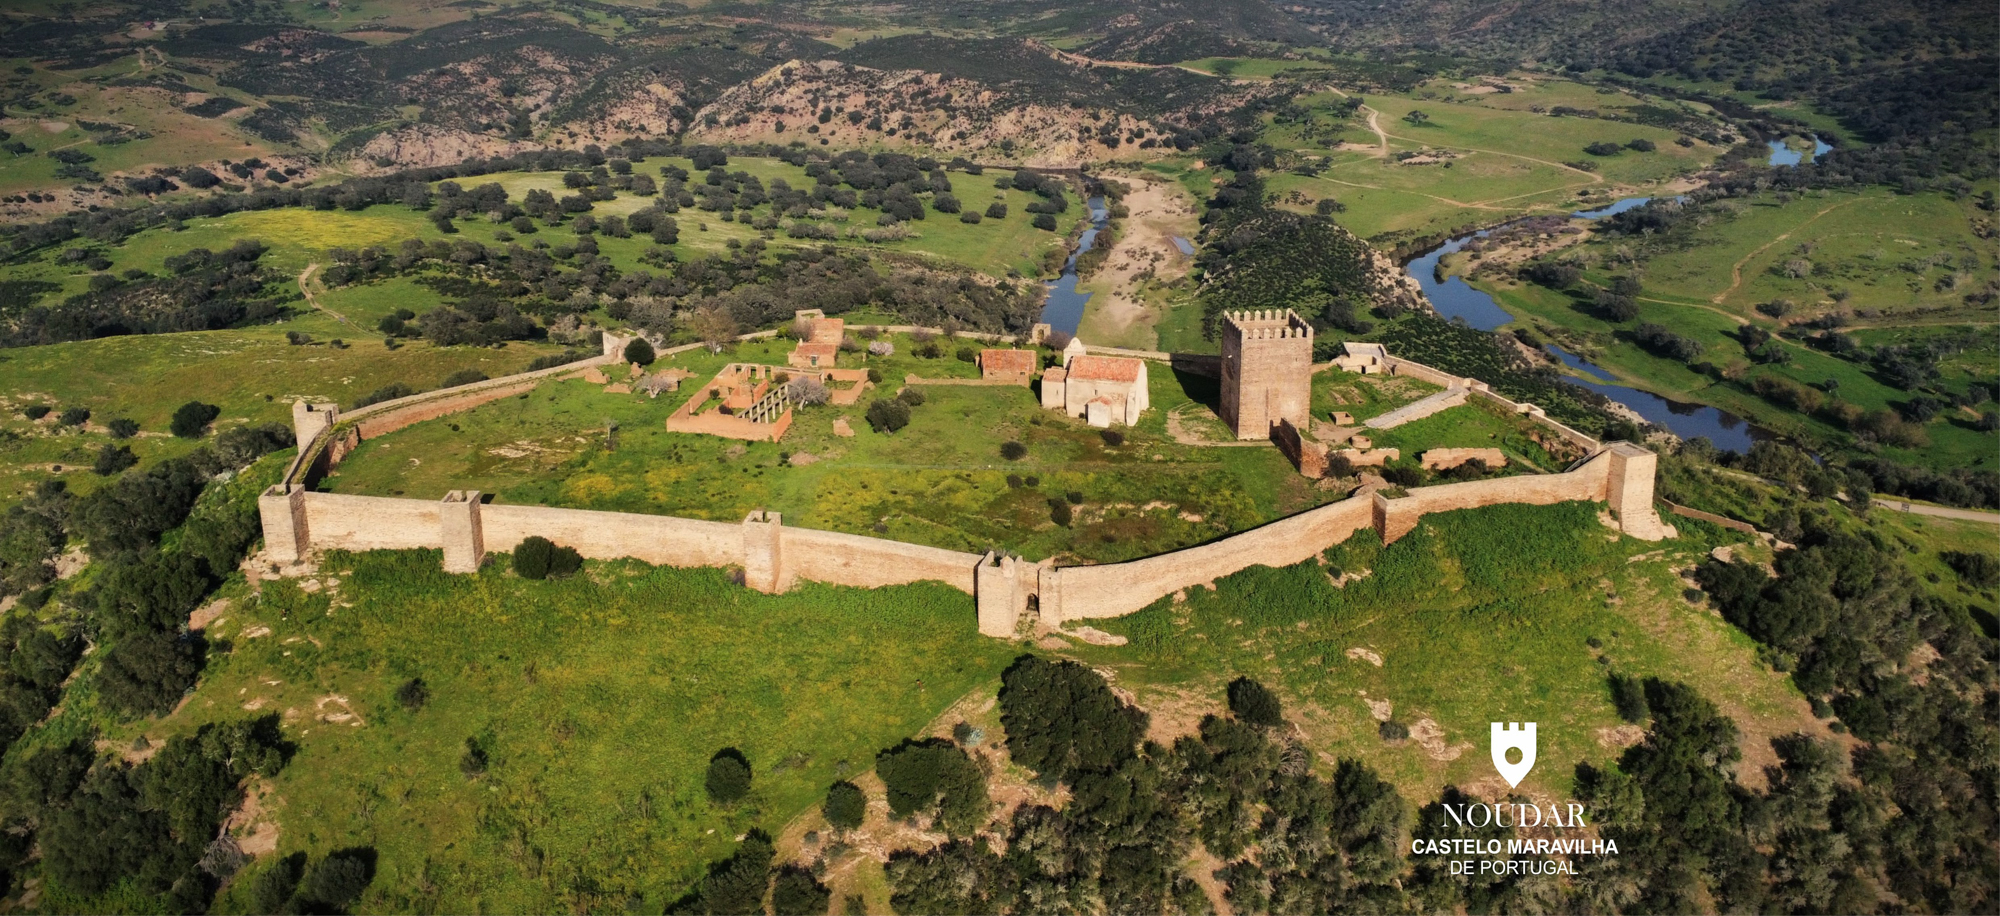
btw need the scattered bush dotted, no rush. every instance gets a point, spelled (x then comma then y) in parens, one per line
(640, 352)
(413, 694)
(74, 416)
(1392, 730)
(1060, 512)
(914, 397)
(36, 411)
(1044, 221)
(888, 415)
(473, 762)
(538, 557)
(1013, 451)
(1254, 703)
(387, 392)
(113, 459)
(728, 778)
(122, 428)
(1629, 695)
(1111, 437)
(463, 377)
(845, 806)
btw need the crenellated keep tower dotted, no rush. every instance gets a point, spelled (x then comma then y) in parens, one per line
(1266, 371)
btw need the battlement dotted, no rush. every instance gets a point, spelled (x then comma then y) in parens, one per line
(1267, 324)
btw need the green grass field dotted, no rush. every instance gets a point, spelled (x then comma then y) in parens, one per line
(1478, 616)
(1502, 156)
(1897, 259)
(598, 700)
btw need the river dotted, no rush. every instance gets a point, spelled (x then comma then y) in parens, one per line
(1063, 309)
(1782, 154)
(1454, 298)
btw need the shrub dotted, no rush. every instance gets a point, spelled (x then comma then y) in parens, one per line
(845, 806)
(1403, 476)
(413, 694)
(728, 778)
(1044, 222)
(969, 217)
(1629, 695)
(640, 352)
(1641, 146)
(1014, 481)
(797, 893)
(113, 459)
(336, 882)
(473, 762)
(888, 415)
(538, 557)
(273, 889)
(1254, 703)
(935, 775)
(1603, 148)
(996, 211)
(557, 359)
(388, 392)
(122, 428)
(463, 377)
(1075, 497)
(192, 418)
(912, 396)
(1392, 730)
(74, 416)
(1013, 451)
(1111, 437)
(1060, 512)
(36, 411)
(966, 355)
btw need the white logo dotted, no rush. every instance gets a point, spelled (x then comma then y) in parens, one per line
(1513, 736)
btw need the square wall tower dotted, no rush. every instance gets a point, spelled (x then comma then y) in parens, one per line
(1266, 371)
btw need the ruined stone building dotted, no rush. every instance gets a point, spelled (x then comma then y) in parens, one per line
(1015, 367)
(1266, 371)
(821, 346)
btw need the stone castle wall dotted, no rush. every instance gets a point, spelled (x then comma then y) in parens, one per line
(774, 557)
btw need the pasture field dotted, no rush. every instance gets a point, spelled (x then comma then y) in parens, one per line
(1491, 155)
(598, 701)
(1512, 613)
(253, 375)
(1892, 259)
(300, 236)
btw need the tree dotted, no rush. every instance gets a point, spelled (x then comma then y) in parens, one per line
(74, 416)
(1013, 451)
(1629, 695)
(735, 886)
(122, 428)
(922, 776)
(888, 415)
(639, 352)
(728, 778)
(192, 418)
(1417, 117)
(713, 326)
(1061, 717)
(1603, 148)
(1254, 703)
(1641, 146)
(1044, 221)
(797, 893)
(845, 806)
(996, 211)
(273, 889)
(336, 881)
(146, 674)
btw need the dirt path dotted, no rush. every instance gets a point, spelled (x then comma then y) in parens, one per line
(1963, 515)
(306, 289)
(1732, 316)
(1736, 269)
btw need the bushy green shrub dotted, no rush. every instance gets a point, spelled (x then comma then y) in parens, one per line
(728, 778)
(192, 418)
(538, 557)
(463, 377)
(74, 416)
(1254, 703)
(1013, 451)
(888, 415)
(640, 352)
(113, 459)
(122, 428)
(846, 806)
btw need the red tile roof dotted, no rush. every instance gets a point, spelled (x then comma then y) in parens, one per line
(1007, 360)
(1105, 368)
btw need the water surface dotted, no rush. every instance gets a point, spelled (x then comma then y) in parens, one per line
(1063, 309)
